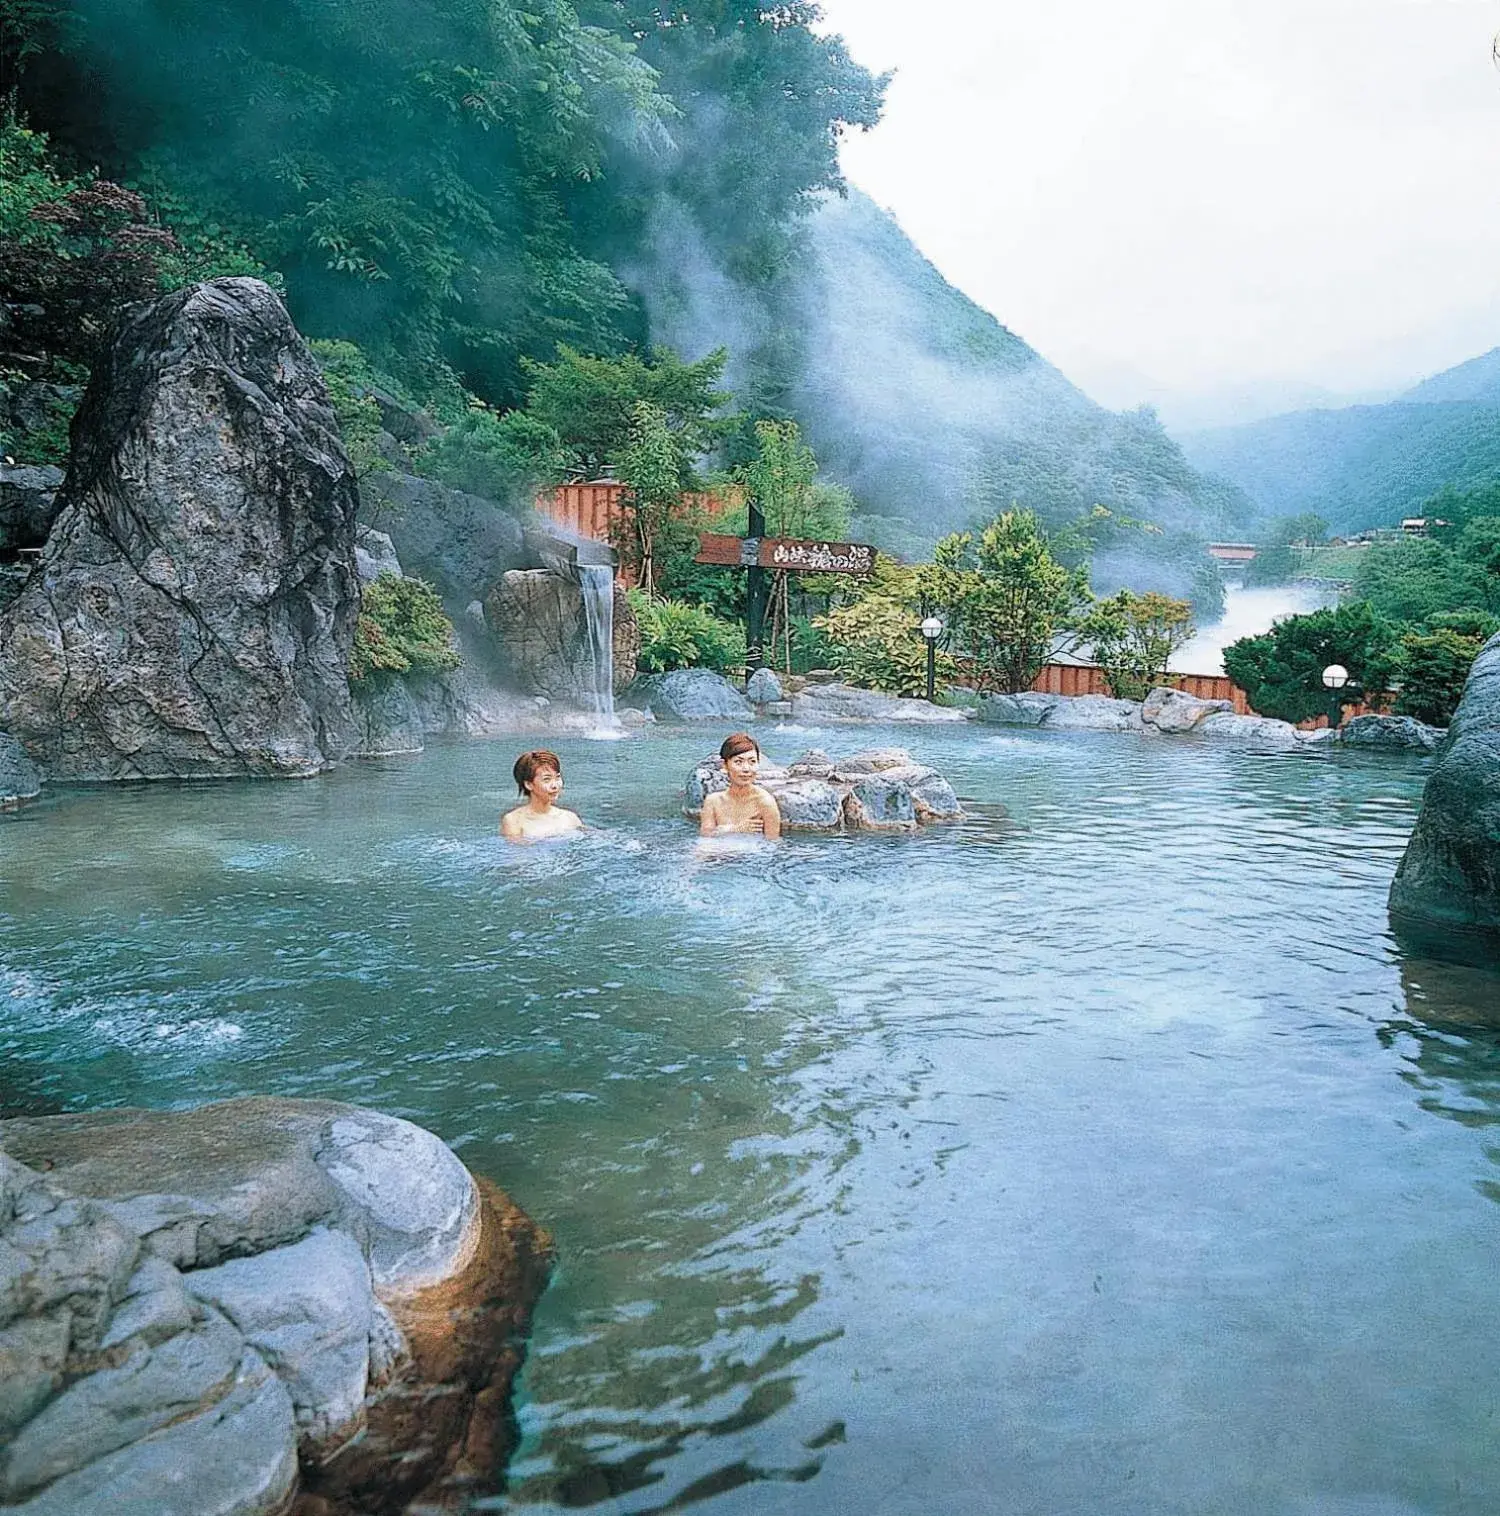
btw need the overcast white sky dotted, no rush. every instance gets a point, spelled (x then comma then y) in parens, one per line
(1242, 201)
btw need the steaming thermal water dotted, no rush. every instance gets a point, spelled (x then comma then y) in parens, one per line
(598, 586)
(1101, 1156)
(1248, 612)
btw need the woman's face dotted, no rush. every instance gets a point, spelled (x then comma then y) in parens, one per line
(743, 767)
(546, 785)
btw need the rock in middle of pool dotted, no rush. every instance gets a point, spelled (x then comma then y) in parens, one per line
(878, 790)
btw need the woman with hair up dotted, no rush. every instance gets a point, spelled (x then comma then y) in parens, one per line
(744, 806)
(538, 776)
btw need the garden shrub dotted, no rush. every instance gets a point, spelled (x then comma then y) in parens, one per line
(679, 636)
(402, 629)
(1432, 667)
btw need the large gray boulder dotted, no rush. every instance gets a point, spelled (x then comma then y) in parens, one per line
(1094, 713)
(1391, 734)
(763, 687)
(388, 719)
(691, 695)
(459, 543)
(539, 622)
(195, 604)
(374, 555)
(201, 1309)
(1450, 872)
(836, 702)
(1030, 708)
(28, 504)
(1174, 711)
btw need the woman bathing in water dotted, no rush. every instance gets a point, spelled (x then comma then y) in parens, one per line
(744, 806)
(539, 779)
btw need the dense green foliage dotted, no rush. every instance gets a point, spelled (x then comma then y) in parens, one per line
(401, 630)
(452, 184)
(75, 249)
(875, 640)
(1005, 598)
(1434, 601)
(679, 636)
(1431, 667)
(1134, 637)
(1282, 670)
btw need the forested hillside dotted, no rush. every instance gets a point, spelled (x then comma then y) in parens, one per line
(1366, 465)
(459, 186)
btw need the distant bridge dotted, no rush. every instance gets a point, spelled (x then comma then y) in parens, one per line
(1232, 552)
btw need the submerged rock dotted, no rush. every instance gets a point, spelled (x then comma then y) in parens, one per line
(881, 789)
(1031, 708)
(194, 607)
(1450, 872)
(691, 695)
(204, 1309)
(1253, 731)
(1098, 713)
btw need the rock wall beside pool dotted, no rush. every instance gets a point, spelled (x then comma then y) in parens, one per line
(878, 790)
(1450, 872)
(226, 1309)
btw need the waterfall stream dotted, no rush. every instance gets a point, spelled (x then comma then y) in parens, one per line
(598, 584)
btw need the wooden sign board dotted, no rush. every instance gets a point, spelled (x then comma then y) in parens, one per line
(787, 553)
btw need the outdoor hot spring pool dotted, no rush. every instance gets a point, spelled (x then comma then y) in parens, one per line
(1101, 1154)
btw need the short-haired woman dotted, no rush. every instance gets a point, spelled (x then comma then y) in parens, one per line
(539, 779)
(744, 806)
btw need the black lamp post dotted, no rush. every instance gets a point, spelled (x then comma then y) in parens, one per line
(1335, 677)
(932, 629)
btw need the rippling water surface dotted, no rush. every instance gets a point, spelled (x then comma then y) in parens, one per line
(1102, 1154)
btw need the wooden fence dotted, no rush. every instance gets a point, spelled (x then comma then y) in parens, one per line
(1087, 679)
(594, 509)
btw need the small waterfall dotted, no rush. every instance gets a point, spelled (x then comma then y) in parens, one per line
(598, 584)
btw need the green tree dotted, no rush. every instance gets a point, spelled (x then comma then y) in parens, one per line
(1005, 598)
(653, 468)
(1281, 671)
(1134, 638)
(591, 402)
(875, 640)
(1431, 668)
(499, 457)
(1415, 578)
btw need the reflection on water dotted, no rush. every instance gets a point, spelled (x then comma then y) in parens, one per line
(1103, 1153)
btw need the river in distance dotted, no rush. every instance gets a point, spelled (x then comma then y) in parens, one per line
(1103, 1154)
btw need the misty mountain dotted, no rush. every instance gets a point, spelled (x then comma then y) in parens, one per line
(1366, 465)
(1477, 380)
(929, 409)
